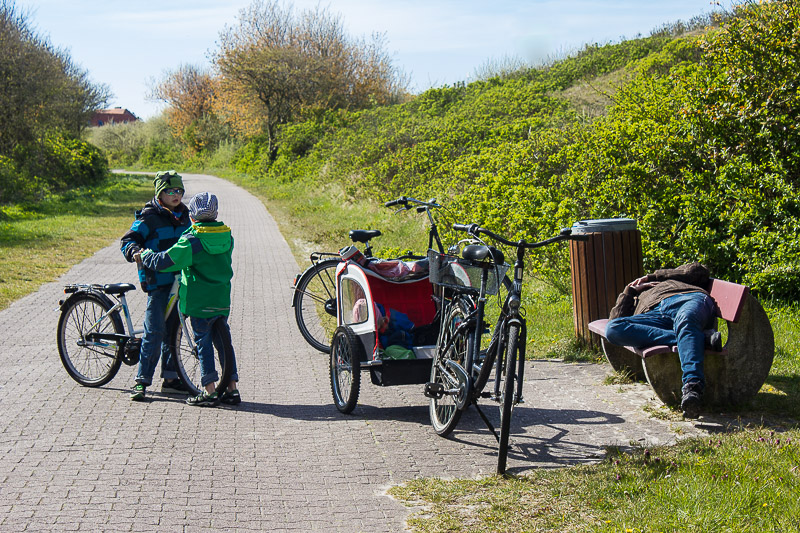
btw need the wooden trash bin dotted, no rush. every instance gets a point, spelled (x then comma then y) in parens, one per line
(601, 267)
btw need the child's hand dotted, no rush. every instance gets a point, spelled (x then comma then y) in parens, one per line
(138, 258)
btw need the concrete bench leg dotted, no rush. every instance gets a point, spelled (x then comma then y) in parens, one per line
(731, 378)
(624, 360)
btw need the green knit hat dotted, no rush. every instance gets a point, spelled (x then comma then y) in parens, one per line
(167, 179)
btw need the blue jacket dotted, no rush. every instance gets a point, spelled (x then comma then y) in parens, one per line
(155, 228)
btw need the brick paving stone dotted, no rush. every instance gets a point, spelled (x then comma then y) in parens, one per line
(88, 459)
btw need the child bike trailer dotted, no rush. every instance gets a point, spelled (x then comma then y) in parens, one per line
(384, 326)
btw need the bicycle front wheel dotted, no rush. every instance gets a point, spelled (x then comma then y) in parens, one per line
(347, 352)
(454, 344)
(315, 304)
(508, 399)
(92, 362)
(187, 360)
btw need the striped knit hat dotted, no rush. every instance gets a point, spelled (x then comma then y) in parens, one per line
(203, 207)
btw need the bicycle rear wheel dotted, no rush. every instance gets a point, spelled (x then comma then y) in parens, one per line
(187, 360)
(443, 410)
(315, 304)
(508, 398)
(90, 362)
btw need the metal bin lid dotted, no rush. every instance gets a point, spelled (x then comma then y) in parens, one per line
(603, 225)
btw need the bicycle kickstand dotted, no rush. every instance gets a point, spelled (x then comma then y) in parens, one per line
(487, 422)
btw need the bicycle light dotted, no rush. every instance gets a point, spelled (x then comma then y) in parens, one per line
(514, 302)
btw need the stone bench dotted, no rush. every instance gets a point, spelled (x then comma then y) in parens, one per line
(733, 376)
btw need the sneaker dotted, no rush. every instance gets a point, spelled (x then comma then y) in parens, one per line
(692, 399)
(174, 386)
(137, 393)
(204, 399)
(713, 340)
(231, 397)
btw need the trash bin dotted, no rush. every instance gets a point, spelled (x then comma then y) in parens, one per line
(601, 267)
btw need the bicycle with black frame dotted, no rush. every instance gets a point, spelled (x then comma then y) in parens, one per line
(461, 370)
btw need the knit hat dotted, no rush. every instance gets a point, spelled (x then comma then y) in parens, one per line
(203, 207)
(167, 179)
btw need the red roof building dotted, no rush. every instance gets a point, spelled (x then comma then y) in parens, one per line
(115, 115)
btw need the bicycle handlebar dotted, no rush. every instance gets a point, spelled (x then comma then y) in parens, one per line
(408, 202)
(564, 234)
(400, 201)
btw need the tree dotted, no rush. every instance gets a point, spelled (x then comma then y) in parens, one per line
(41, 88)
(45, 104)
(276, 64)
(190, 92)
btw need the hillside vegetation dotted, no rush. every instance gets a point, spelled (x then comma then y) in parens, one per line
(699, 145)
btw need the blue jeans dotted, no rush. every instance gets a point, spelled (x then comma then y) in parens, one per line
(204, 339)
(677, 320)
(153, 342)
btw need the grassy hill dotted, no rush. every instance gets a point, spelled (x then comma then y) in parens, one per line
(690, 131)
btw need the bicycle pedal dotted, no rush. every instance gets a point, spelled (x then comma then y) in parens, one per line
(434, 390)
(486, 394)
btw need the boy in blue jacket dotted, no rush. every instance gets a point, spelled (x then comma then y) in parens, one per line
(156, 228)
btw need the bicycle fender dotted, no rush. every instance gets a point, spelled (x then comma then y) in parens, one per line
(82, 292)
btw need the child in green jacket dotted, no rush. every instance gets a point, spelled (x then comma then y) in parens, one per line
(203, 255)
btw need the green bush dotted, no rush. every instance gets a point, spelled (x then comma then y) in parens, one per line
(54, 163)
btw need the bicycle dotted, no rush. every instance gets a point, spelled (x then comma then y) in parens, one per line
(460, 369)
(314, 298)
(94, 340)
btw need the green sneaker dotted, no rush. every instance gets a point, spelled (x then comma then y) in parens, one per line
(231, 397)
(204, 399)
(137, 394)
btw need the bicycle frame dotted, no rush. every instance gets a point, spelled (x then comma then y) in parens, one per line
(462, 381)
(121, 305)
(172, 300)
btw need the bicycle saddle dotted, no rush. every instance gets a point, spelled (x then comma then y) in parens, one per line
(479, 252)
(118, 288)
(363, 235)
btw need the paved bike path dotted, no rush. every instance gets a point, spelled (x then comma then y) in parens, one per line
(82, 459)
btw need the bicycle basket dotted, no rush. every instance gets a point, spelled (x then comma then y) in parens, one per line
(463, 274)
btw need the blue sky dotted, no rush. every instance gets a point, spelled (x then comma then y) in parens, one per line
(435, 42)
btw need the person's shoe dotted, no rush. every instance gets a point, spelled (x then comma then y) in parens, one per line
(174, 386)
(692, 399)
(231, 397)
(713, 340)
(204, 399)
(137, 393)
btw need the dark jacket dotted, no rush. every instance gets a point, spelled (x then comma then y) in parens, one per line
(155, 228)
(203, 255)
(692, 277)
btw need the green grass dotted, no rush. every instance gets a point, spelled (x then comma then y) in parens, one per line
(39, 242)
(744, 482)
